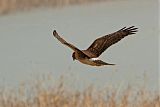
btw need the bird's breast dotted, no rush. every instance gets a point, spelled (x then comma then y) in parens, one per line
(87, 61)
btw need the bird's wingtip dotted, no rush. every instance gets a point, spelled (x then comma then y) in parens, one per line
(54, 32)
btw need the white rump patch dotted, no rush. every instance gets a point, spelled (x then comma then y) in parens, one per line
(93, 59)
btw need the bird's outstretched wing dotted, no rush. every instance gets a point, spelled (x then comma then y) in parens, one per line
(102, 43)
(55, 34)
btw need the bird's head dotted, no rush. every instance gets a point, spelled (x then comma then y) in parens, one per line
(73, 56)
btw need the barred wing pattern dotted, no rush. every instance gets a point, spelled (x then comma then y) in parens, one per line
(102, 43)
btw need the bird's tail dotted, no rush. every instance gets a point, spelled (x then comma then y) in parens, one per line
(101, 63)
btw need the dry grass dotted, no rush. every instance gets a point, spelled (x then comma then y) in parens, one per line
(42, 95)
(7, 6)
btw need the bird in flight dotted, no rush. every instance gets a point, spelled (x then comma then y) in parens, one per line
(90, 55)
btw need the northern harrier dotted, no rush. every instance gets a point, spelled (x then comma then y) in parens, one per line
(90, 55)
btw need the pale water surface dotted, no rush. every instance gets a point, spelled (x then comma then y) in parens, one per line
(28, 49)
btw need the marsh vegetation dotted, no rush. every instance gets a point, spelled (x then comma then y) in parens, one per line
(7, 6)
(38, 94)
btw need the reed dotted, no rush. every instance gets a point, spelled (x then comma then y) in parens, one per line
(7, 6)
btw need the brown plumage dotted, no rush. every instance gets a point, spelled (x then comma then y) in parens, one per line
(98, 46)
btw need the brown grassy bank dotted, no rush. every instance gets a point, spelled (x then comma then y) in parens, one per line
(7, 6)
(59, 96)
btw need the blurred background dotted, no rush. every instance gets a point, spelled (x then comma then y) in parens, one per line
(28, 49)
(7, 6)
